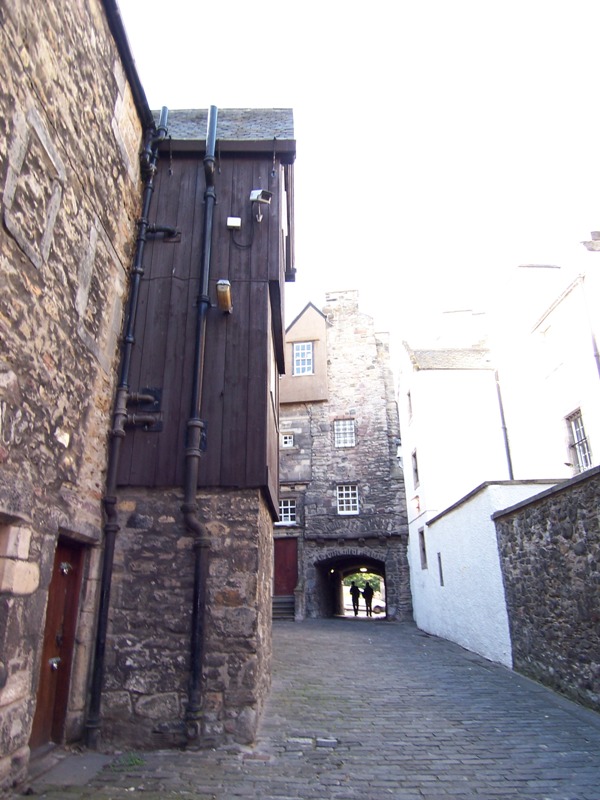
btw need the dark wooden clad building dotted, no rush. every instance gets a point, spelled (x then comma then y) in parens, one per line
(188, 651)
(252, 249)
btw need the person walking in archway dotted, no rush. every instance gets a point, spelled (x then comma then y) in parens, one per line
(355, 594)
(368, 595)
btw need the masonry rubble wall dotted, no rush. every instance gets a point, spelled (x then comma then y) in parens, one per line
(550, 554)
(69, 183)
(148, 654)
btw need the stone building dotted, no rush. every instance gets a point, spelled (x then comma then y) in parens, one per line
(132, 609)
(189, 631)
(342, 504)
(72, 119)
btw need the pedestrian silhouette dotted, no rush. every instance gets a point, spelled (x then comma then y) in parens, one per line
(368, 595)
(355, 594)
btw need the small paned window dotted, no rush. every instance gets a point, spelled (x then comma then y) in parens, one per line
(422, 548)
(287, 511)
(580, 446)
(415, 468)
(347, 499)
(287, 440)
(344, 433)
(303, 362)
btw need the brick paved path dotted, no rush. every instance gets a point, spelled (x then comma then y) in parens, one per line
(370, 709)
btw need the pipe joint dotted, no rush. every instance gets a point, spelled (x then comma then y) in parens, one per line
(193, 452)
(112, 527)
(110, 502)
(201, 542)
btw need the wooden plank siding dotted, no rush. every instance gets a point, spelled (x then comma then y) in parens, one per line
(236, 398)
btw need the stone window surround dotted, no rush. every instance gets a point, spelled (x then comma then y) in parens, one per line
(344, 432)
(347, 499)
(287, 511)
(287, 440)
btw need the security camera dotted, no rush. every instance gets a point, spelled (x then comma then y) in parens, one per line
(260, 196)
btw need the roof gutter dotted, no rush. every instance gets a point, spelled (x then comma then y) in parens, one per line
(115, 23)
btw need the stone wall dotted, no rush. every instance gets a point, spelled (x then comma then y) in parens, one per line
(550, 554)
(69, 141)
(148, 661)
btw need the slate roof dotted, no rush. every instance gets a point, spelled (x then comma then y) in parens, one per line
(467, 358)
(235, 124)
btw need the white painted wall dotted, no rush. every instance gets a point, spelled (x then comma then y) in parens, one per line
(470, 607)
(548, 369)
(542, 342)
(457, 433)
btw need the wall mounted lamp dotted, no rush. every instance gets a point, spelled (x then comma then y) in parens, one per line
(224, 303)
(261, 196)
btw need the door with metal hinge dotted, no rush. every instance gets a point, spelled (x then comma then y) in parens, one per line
(59, 642)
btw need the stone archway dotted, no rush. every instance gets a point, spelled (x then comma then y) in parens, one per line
(325, 566)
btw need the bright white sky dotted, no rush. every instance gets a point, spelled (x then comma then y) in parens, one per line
(440, 143)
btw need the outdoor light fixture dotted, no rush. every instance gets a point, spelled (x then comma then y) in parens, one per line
(260, 196)
(224, 303)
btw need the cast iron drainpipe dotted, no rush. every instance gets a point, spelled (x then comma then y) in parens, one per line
(148, 161)
(194, 446)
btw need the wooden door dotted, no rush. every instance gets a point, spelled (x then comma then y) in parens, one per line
(59, 642)
(286, 566)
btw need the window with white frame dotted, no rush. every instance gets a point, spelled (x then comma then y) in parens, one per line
(287, 511)
(347, 498)
(287, 439)
(344, 433)
(579, 444)
(302, 356)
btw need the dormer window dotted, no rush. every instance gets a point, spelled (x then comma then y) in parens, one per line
(303, 358)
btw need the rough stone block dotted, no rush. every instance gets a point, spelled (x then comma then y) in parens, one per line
(18, 577)
(16, 688)
(15, 542)
(158, 706)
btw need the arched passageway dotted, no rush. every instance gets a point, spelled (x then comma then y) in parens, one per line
(328, 599)
(323, 566)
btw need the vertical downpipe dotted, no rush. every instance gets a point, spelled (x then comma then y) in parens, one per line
(194, 447)
(504, 429)
(148, 161)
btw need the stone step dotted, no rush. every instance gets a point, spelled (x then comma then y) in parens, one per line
(283, 606)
